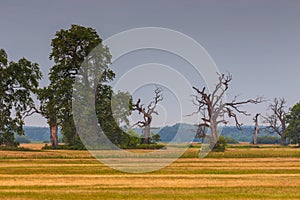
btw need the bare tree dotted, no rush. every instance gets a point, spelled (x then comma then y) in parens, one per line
(147, 113)
(256, 129)
(276, 121)
(213, 109)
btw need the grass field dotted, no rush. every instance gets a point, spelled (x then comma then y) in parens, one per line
(238, 173)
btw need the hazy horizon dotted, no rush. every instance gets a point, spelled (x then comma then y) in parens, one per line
(256, 41)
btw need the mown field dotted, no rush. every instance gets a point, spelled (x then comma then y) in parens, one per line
(238, 173)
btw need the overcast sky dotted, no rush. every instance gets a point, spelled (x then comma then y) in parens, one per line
(257, 41)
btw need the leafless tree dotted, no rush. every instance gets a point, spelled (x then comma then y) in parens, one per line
(213, 109)
(276, 121)
(256, 130)
(147, 113)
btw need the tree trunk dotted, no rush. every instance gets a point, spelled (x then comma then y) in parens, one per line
(147, 134)
(255, 133)
(282, 141)
(214, 134)
(53, 135)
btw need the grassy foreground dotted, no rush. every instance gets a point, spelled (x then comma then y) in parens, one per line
(239, 173)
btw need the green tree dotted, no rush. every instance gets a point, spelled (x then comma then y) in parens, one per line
(19, 80)
(70, 48)
(293, 129)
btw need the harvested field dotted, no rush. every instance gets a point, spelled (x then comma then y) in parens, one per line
(64, 174)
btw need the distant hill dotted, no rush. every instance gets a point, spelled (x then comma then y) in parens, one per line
(166, 133)
(39, 134)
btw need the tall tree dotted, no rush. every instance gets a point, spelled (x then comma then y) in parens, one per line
(19, 80)
(70, 48)
(277, 121)
(148, 112)
(256, 129)
(293, 129)
(213, 109)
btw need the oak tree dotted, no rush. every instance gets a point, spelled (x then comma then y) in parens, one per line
(19, 81)
(293, 129)
(70, 48)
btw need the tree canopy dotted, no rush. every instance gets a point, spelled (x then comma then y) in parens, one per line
(293, 129)
(19, 80)
(70, 48)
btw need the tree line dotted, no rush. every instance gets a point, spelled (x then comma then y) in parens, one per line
(69, 49)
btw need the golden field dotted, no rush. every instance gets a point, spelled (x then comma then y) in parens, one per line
(266, 173)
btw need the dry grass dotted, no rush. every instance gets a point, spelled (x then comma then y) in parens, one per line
(33, 146)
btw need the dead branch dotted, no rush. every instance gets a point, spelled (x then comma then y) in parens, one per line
(212, 107)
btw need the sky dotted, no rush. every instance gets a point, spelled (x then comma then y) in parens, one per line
(257, 41)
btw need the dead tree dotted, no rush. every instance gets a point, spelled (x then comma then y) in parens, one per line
(147, 113)
(213, 109)
(256, 129)
(276, 121)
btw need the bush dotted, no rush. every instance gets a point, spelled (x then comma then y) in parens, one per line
(14, 148)
(147, 146)
(8, 139)
(268, 140)
(154, 138)
(230, 140)
(63, 147)
(130, 139)
(220, 145)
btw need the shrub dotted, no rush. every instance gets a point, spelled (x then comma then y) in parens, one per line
(230, 140)
(220, 145)
(154, 138)
(130, 139)
(268, 139)
(147, 146)
(14, 148)
(64, 147)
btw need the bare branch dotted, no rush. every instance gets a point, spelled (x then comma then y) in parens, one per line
(276, 121)
(148, 112)
(30, 112)
(213, 109)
